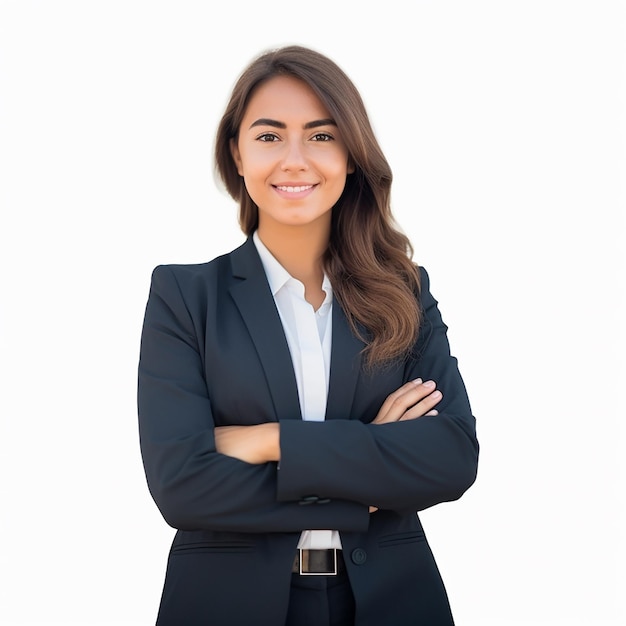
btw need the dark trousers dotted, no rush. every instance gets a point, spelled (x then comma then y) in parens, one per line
(320, 601)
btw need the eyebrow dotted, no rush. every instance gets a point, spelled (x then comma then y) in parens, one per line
(264, 121)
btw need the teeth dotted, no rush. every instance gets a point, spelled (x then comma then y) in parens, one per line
(294, 189)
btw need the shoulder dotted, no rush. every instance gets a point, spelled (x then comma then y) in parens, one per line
(195, 284)
(424, 295)
(430, 314)
(185, 278)
(422, 272)
(194, 275)
(187, 272)
(424, 278)
(427, 302)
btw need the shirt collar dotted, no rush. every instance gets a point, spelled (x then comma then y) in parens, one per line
(277, 275)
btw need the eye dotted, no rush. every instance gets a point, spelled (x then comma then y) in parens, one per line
(322, 137)
(267, 137)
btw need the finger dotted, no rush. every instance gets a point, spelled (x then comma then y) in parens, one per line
(423, 407)
(397, 394)
(398, 403)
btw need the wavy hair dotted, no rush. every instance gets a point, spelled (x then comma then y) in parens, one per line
(368, 259)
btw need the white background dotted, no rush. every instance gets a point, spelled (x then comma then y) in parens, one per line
(504, 124)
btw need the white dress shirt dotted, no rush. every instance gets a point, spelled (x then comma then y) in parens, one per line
(309, 337)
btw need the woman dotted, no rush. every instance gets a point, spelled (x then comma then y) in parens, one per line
(287, 390)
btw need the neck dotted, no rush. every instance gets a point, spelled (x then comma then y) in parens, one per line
(299, 249)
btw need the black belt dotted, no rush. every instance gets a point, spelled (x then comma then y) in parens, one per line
(318, 562)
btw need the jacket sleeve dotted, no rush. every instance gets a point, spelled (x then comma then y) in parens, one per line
(409, 465)
(194, 486)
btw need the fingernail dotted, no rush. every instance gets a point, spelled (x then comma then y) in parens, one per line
(417, 381)
(429, 384)
(435, 394)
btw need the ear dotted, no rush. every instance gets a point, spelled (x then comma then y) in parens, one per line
(351, 166)
(234, 151)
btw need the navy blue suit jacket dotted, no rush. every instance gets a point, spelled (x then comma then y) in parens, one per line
(213, 353)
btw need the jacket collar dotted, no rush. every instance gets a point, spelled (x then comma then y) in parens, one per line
(253, 297)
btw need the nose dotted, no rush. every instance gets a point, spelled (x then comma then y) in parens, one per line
(294, 158)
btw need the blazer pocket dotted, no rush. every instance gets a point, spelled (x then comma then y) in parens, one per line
(198, 542)
(398, 539)
(200, 547)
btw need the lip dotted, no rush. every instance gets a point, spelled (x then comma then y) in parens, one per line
(294, 190)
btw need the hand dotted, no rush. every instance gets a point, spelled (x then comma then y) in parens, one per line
(251, 444)
(412, 400)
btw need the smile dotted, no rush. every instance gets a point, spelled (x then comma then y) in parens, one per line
(290, 189)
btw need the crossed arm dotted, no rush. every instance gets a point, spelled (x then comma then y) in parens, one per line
(224, 477)
(261, 443)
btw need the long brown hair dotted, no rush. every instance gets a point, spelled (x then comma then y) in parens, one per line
(368, 259)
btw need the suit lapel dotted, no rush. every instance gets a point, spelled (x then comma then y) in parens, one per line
(345, 365)
(254, 300)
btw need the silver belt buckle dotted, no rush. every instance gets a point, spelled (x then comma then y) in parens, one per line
(301, 563)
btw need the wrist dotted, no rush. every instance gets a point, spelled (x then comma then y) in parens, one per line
(271, 441)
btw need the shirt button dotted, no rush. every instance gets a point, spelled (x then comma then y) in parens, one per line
(359, 556)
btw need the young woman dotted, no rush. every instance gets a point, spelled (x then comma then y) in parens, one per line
(298, 403)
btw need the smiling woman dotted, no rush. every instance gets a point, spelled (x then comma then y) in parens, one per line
(298, 403)
(295, 164)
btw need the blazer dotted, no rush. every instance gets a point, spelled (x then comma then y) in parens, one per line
(213, 353)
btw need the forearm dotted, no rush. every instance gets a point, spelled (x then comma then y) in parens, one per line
(399, 465)
(252, 444)
(407, 465)
(195, 487)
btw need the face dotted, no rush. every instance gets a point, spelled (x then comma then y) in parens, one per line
(291, 155)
